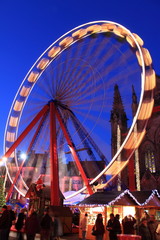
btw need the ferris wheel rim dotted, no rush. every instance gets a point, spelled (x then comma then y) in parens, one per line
(72, 30)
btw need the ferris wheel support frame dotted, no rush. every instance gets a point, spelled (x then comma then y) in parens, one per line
(25, 132)
(36, 133)
(22, 164)
(18, 141)
(41, 64)
(73, 152)
(55, 192)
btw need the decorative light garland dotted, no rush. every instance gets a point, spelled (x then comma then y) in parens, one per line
(117, 198)
(137, 165)
(119, 157)
(127, 191)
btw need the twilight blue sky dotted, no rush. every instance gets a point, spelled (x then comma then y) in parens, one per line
(27, 28)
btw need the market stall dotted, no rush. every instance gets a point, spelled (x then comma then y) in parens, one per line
(118, 202)
(106, 202)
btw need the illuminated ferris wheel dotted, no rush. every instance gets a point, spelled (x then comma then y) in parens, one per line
(60, 116)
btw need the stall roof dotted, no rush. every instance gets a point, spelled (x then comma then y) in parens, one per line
(134, 198)
(109, 198)
(147, 198)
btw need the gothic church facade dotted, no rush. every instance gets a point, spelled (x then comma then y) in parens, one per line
(149, 149)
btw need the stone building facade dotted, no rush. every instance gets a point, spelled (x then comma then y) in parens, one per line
(149, 149)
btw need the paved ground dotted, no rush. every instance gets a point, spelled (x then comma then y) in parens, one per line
(73, 236)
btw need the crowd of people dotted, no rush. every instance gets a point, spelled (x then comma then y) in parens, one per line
(29, 223)
(147, 227)
(50, 227)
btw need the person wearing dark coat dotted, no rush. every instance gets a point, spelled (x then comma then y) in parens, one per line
(4, 223)
(20, 223)
(113, 226)
(99, 227)
(144, 231)
(46, 224)
(12, 217)
(32, 225)
(152, 225)
(118, 225)
(128, 223)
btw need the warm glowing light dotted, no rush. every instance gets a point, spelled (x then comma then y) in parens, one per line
(4, 159)
(134, 140)
(118, 31)
(146, 110)
(119, 157)
(108, 26)
(13, 121)
(43, 63)
(128, 210)
(138, 39)
(10, 137)
(115, 168)
(33, 76)
(66, 42)
(150, 80)
(80, 33)
(137, 168)
(131, 41)
(18, 106)
(146, 56)
(98, 209)
(104, 28)
(54, 51)
(124, 32)
(94, 28)
(24, 91)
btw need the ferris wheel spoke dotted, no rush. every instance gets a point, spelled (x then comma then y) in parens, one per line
(86, 52)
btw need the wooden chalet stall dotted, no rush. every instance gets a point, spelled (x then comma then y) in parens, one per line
(118, 202)
(149, 201)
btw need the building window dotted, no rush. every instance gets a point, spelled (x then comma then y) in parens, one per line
(150, 160)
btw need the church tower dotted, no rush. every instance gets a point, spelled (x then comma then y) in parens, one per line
(134, 161)
(118, 119)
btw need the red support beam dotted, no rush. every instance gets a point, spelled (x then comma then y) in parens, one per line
(18, 141)
(21, 166)
(26, 131)
(14, 181)
(37, 131)
(73, 152)
(131, 174)
(156, 109)
(55, 192)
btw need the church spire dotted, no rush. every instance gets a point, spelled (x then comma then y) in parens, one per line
(117, 101)
(118, 119)
(118, 113)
